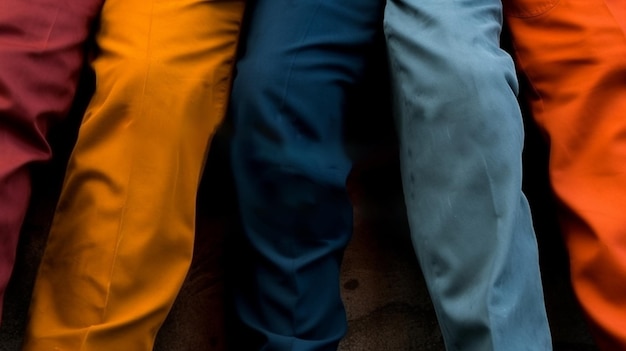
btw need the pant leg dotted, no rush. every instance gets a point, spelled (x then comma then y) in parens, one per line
(574, 56)
(41, 56)
(300, 63)
(122, 237)
(461, 138)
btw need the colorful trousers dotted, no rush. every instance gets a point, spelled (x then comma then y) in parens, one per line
(122, 237)
(573, 54)
(461, 139)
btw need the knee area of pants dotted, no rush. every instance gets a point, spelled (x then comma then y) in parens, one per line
(466, 71)
(483, 75)
(120, 73)
(320, 209)
(131, 71)
(285, 175)
(254, 73)
(290, 183)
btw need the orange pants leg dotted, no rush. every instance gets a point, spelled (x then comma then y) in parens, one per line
(573, 53)
(122, 237)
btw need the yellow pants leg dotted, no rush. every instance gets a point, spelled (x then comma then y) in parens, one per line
(122, 237)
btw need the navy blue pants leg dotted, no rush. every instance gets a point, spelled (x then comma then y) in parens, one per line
(300, 62)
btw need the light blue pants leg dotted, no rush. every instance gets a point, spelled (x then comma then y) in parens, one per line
(461, 138)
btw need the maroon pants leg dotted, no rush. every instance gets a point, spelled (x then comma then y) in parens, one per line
(41, 56)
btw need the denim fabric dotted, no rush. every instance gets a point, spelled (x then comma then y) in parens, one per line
(461, 137)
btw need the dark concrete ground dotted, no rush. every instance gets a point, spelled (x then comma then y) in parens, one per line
(387, 302)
